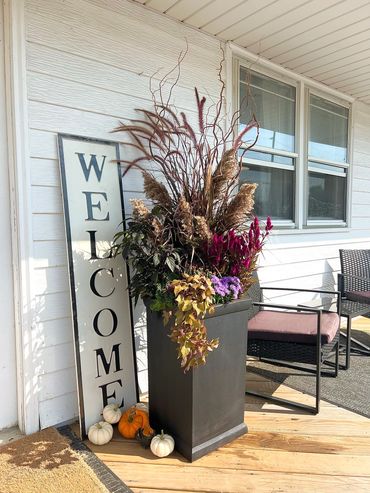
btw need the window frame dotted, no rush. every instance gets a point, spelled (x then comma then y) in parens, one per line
(300, 223)
(238, 63)
(319, 223)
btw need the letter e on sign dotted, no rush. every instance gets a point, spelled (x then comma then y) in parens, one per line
(101, 309)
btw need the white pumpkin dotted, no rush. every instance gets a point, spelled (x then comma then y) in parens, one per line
(100, 433)
(162, 445)
(112, 413)
(142, 406)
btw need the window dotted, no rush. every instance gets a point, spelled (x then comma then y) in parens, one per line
(302, 172)
(327, 160)
(271, 163)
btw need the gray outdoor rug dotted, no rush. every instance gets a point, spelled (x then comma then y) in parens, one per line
(350, 390)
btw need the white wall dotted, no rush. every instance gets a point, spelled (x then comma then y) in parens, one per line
(89, 63)
(8, 384)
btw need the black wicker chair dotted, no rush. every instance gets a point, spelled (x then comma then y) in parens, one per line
(307, 338)
(354, 285)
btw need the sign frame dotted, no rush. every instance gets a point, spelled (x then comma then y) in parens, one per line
(69, 240)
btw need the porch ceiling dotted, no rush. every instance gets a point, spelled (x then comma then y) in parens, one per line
(327, 40)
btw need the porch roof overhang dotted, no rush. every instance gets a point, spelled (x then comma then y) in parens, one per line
(326, 41)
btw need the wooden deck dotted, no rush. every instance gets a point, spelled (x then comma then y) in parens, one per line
(284, 451)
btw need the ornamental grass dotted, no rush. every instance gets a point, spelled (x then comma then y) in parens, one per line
(197, 243)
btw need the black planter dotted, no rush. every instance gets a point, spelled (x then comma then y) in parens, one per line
(203, 408)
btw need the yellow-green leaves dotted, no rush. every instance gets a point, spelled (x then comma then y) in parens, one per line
(193, 292)
(193, 297)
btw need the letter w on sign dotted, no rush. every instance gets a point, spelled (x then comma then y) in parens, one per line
(93, 163)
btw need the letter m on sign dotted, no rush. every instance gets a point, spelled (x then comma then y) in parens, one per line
(107, 364)
(93, 164)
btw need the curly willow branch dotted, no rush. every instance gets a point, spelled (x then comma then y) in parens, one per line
(192, 155)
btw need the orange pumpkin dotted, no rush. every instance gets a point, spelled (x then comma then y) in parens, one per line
(130, 423)
(133, 420)
(147, 430)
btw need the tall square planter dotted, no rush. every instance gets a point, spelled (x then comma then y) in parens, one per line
(203, 408)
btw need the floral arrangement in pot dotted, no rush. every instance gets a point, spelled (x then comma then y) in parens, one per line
(197, 244)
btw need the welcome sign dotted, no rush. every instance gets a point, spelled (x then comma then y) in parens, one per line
(102, 318)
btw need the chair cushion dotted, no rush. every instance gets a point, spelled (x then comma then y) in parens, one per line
(360, 296)
(292, 327)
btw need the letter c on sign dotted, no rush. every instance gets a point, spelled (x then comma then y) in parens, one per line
(92, 283)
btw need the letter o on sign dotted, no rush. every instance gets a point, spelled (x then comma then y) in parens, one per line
(97, 322)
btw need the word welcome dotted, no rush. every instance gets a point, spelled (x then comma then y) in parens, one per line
(100, 304)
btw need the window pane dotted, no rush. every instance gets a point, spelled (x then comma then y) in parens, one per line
(271, 158)
(273, 103)
(275, 192)
(328, 130)
(327, 197)
(312, 166)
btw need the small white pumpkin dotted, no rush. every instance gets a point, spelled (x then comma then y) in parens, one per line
(142, 406)
(100, 433)
(112, 413)
(162, 445)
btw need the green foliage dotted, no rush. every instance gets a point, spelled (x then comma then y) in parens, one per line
(150, 252)
(163, 301)
(221, 300)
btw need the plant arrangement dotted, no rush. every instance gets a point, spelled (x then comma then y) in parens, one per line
(197, 244)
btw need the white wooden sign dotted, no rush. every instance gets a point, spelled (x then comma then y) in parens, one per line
(102, 318)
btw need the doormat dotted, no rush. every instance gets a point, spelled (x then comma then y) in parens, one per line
(54, 461)
(350, 389)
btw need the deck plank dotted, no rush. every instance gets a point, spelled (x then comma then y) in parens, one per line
(204, 479)
(315, 444)
(285, 451)
(237, 458)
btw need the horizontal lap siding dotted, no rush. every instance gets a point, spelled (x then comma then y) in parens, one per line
(88, 67)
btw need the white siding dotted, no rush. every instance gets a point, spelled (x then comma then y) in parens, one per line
(89, 64)
(8, 383)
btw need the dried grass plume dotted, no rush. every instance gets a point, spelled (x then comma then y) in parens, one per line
(139, 209)
(240, 207)
(226, 171)
(184, 218)
(202, 229)
(156, 191)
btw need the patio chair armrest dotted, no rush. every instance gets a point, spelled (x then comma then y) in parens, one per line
(304, 290)
(338, 294)
(288, 307)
